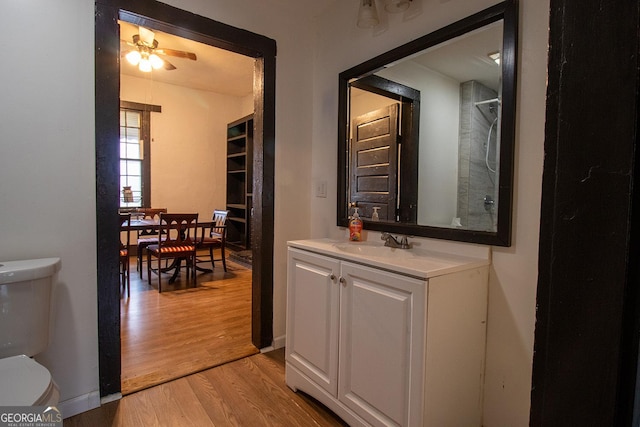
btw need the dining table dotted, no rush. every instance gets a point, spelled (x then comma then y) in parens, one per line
(140, 224)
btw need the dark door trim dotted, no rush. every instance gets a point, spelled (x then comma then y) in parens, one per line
(373, 153)
(107, 93)
(409, 99)
(586, 340)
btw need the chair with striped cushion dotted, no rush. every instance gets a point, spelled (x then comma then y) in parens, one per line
(125, 279)
(178, 233)
(147, 237)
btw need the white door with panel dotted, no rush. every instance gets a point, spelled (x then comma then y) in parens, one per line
(312, 317)
(381, 345)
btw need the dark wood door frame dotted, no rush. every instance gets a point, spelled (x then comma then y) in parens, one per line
(107, 93)
(588, 310)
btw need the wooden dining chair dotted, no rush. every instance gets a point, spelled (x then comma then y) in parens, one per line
(178, 233)
(147, 237)
(125, 278)
(214, 236)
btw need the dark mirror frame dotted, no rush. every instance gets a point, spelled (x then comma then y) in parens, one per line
(506, 11)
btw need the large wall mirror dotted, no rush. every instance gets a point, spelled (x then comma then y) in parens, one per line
(426, 133)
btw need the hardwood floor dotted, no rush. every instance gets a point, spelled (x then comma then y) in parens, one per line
(184, 330)
(246, 392)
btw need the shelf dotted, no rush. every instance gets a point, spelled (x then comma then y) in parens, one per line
(231, 156)
(239, 181)
(235, 138)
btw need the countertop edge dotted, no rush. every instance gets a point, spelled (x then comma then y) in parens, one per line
(328, 247)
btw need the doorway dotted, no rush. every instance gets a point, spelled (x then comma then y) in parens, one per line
(184, 24)
(199, 92)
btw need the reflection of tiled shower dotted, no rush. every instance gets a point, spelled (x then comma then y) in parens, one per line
(478, 147)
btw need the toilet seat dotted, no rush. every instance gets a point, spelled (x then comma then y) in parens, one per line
(24, 382)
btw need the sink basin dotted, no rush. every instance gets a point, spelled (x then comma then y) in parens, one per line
(370, 249)
(414, 261)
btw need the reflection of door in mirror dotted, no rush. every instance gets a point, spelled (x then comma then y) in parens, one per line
(374, 154)
(384, 177)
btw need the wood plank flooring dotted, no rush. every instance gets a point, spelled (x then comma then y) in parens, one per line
(246, 392)
(184, 329)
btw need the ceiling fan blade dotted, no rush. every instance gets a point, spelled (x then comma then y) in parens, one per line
(177, 53)
(168, 65)
(127, 43)
(146, 36)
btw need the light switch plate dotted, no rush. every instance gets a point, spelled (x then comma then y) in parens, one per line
(321, 189)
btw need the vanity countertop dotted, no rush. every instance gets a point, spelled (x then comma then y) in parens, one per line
(417, 262)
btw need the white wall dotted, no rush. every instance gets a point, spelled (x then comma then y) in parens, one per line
(514, 274)
(439, 136)
(47, 173)
(188, 143)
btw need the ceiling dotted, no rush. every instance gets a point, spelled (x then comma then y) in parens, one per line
(215, 70)
(466, 57)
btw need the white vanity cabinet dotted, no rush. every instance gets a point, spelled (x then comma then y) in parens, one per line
(384, 348)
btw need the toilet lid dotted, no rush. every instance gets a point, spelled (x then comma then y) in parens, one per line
(23, 381)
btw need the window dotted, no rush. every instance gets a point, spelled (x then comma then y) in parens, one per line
(131, 158)
(135, 154)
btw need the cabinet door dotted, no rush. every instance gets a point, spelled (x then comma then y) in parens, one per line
(382, 333)
(312, 317)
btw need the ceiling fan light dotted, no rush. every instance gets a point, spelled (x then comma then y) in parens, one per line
(144, 65)
(133, 57)
(156, 61)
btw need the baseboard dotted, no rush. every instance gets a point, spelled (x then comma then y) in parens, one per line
(79, 404)
(110, 398)
(279, 342)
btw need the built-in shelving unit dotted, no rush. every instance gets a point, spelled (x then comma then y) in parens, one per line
(239, 181)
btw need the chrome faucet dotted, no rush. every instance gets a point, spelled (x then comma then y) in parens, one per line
(392, 242)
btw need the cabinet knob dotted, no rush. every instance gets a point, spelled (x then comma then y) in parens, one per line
(332, 277)
(343, 280)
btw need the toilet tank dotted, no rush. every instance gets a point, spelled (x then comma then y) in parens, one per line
(25, 301)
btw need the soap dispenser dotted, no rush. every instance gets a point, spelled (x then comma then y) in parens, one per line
(374, 215)
(355, 226)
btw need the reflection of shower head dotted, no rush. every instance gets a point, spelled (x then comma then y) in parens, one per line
(492, 104)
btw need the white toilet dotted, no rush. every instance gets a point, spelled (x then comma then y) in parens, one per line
(25, 301)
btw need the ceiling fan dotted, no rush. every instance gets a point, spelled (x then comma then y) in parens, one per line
(145, 54)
